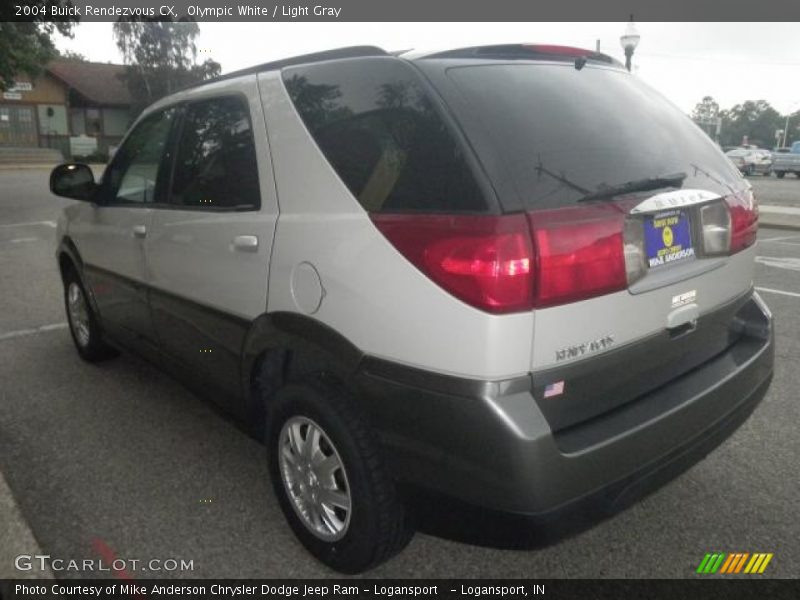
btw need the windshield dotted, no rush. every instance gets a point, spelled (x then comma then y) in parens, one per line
(563, 133)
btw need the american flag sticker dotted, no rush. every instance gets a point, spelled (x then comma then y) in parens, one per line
(554, 389)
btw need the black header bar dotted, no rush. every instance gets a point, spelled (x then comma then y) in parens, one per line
(410, 10)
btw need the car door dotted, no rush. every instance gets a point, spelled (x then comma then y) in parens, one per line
(209, 248)
(110, 233)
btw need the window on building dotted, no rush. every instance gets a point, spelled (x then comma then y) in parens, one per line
(78, 121)
(94, 121)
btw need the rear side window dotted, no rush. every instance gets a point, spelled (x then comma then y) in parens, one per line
(383, 136)
(215, 164)
(562, 133)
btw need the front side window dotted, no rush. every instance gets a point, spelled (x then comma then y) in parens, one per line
(383, 136)
(216, 165)
(139, 163)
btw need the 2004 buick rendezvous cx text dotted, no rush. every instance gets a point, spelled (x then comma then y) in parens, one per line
(514, 277)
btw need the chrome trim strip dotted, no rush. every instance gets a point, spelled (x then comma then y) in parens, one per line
(673, 199)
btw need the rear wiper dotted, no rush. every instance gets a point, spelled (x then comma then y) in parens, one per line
(637, 185)
(698, 168)
(540, 168)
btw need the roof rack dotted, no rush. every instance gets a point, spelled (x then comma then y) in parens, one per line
(348, 52)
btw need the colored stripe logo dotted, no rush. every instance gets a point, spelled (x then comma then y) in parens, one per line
(733, 563)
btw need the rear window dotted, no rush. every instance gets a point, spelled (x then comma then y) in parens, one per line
(384, 137)
(562, 133)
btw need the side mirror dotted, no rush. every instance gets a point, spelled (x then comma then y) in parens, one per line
(73, 180)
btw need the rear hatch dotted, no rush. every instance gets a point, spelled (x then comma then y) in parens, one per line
(640, 227)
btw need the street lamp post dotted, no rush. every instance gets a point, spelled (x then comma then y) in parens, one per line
(629, 40)
(792, 106)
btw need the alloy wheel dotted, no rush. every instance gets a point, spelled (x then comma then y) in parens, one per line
(314, 478)
(78, 314)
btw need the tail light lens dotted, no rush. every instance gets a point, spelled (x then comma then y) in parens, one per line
(744, 220)
(486, 261)
(579, 253)
(491, 263)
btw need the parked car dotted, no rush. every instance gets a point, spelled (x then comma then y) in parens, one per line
(413, 282)
(750, 161)
(787, 160)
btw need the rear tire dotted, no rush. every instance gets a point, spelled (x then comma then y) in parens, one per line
(83, 322)
(780, 174)
(331, 483)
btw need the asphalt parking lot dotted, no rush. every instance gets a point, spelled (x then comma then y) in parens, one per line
(120, 460)
(782, 192)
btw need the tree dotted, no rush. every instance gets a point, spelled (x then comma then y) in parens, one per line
(161, 58)
(26, 47)
(705, 114)
(755, 119)
(73, 56)
(705, 110)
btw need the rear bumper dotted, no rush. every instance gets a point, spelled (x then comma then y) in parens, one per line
(488, 445)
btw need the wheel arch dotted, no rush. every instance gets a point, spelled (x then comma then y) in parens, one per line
(68, 255)
(281, 346)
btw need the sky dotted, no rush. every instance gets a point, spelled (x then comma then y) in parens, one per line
(732, 62)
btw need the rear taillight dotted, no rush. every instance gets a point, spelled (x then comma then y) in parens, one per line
(579, 253)
(489, 261)
(744, 219)
(486, 261)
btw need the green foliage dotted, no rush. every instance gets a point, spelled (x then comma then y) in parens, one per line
(161, 58)
(705, 110)
(70, 55)
(26, 47)
(755, 119)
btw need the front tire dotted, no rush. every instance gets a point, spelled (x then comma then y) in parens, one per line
(331, 483)
(780, 174)
(83, 322)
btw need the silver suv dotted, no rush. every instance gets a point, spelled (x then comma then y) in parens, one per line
(512, 279)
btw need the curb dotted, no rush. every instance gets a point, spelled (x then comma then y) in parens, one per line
(779, 217)
(778, 224)
(26, 166)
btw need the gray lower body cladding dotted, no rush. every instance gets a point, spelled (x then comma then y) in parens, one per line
(489, 445)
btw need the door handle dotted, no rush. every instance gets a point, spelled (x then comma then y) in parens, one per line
(139, 231)
(245, 243)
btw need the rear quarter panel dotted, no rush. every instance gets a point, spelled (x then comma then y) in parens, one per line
(371, 294)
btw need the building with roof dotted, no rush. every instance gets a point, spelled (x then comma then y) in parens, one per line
(73, 106)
